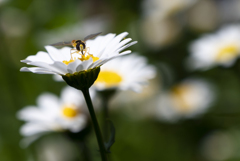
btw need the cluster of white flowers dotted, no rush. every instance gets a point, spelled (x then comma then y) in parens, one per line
(69, 112)
(185, 100)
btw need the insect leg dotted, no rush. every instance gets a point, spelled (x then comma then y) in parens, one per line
(75, 51)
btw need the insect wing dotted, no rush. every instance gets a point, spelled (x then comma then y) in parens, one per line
(64, 43)
(91, 36)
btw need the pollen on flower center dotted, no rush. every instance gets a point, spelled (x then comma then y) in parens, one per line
(86, 57)
(179, 94)
(109, 78)
(80, 56)
(227, 53)
(67, 62)
(69, 111)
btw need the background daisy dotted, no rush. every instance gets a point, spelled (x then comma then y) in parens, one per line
(55, 114)
(221, 48)
(188, 99)
(128, 72)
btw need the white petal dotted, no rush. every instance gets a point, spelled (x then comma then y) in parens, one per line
(85, 65)
(57, 67)
(66, 53)
(29, 129)
(78, 124)
(125, 41)
(98, 45)
(48, 102)
(70, 95)
(36, 70)
(55, 54)
(57, 78)
(40, 56)
(71, 68)
(31, 113)
(75, 124)
(126, 46)
(112, 46)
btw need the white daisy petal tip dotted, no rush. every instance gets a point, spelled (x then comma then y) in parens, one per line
(24, 69)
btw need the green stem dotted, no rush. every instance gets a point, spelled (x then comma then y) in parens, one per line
(95, 124)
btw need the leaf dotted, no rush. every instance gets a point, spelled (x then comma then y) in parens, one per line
(112, 137)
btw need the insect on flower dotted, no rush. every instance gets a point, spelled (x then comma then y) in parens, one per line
(80, 45)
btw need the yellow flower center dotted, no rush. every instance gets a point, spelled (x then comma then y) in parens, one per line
(86, 57)
(180, 98)
(69, 111)
(67, 62)
(109, 78)
(82, 57)
(227, 53)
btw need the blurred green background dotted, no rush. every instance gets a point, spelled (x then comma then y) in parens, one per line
(27, 25)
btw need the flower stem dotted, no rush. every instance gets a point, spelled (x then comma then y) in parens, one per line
(95, 124)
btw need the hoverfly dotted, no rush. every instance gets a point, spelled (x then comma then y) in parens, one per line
(80, 45)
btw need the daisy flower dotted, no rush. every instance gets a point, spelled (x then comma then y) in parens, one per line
(221, 48)
(187, 99)
(55, 114)
(116, 74)
(62, 61)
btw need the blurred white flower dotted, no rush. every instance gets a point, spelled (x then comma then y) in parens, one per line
(14, 22)
(157, 33)
(229, 11)
(158, 27)
(221, 145)
(221, 48)
(164, 8)
(188, 99)
(204, 16)
(128, 72)
(62, 61)
(55, 114)
(55, 148)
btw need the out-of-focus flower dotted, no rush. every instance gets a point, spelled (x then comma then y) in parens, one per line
(221, 145)
(116, 74)
(3, 1)
(14, 22)
(229, 11)
(164, 8)
(158, 27)
(157, 33)
(55, 114)
(128, 72)
(187, 99)
(55, 148)
(203, 16)
(62, 61)
(221, 48)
